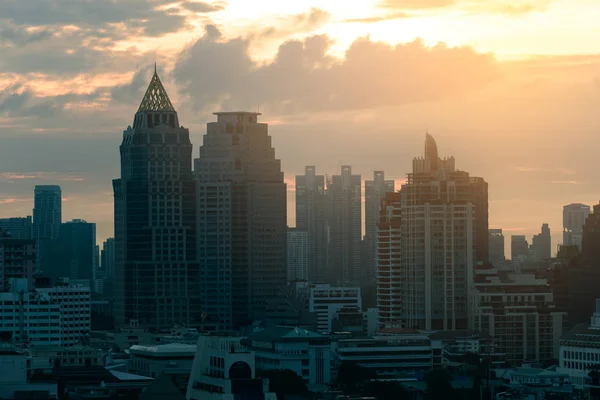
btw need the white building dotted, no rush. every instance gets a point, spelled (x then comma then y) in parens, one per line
(224, 369)
(297, 255)
(579, 350)
(152, 361)
(306, 353)
(326, 301)
(58, 316)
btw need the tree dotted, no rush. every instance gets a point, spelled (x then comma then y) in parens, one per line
(284, 382)
(439, 385)
(351, 375)
(385, 390)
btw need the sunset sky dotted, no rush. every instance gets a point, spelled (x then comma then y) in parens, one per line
(511, 89)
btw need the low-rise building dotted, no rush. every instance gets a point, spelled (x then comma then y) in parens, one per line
(43, 359)
(152, 361)
(306, 353)
(14, 378)
(326, 300)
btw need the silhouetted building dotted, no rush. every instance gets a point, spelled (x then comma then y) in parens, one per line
(241, 203)
(17, 228)
(375, 191)
(47, 217)
(157, 279)
(519, 247)
(310, 217)
(297, 255)
(496, 246)
(479, 195)
(541, 244)
(574, 216)
(74, 251)
(345, 227)
(107, 262)
(17, 260)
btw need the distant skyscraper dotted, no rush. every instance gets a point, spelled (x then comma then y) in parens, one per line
(375, 191)
(107, 263)
(574, 216)
(310, 217)
(47, 217)
(541, 244)
(479, 192)
(344, 223)
(74, 251)
(242, 220)
(17, 260)
(424, 279)
(519, 247)
(17, 228)
(156, 269)
(496, 246)
(297, 255)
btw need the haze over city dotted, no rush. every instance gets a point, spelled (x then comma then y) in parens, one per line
(511, 91)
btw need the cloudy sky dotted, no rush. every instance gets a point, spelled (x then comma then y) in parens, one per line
(511, 89)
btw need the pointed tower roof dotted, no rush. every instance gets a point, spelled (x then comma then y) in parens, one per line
(156, 97)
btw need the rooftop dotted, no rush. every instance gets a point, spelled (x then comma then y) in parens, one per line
(168, 348)
(283, 333)
(156, 98)
(236, 113)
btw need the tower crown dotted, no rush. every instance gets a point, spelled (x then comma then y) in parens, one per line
(156, 107)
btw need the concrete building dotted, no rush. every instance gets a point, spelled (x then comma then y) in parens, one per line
(541, 244)
(425, 275)
(306, 353)
(519, 247)
(310, 217)
(47, 217)
(375, 192)
(297, 255)
(107, 264)
(224, 369)
(344, 213)
(74, 251)
(152, 361)
(496, 246)
(242, 220)
(17, 260)
(574, 216)
(518, 313)
(14, 383)
(17, 228)
(157, 279)
(326, 300)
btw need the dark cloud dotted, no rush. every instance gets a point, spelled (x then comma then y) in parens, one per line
(20, 36)
(202, 7)
(303, 77)
(132, 91)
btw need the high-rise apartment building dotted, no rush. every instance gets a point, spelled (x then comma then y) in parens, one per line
(17, 228)
(310, 217)
(541, 244)
(17, 260)
(157, 279)
(47, 217)
(431, 233)
(345, 227)
(375, 191)
(297, 255)
(496, 246)
(242, 220)
(107, 263)
(519, 247)
(574, 216)
(74, 251)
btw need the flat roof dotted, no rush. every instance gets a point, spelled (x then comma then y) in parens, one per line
(236, 113)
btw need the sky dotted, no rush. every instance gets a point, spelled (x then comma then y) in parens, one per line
(510, 89)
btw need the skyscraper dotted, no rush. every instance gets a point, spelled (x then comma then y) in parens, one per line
(17, 260)
(541, 244)
(430, 229)
(107, 263)
(156, 269)
(297, 255)
(18, 227)
(519, 247)
(74, 251)
(310, 217)
(375, 191)
(242, 220)
(344, 223)
(496, 246)
(47, 217)
(574, 216)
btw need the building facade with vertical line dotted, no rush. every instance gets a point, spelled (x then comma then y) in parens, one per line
(156, 275)
(47, 217)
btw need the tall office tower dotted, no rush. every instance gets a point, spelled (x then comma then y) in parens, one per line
(297, 255)
(242, 220)
(17, 260)
(519, 247)
(156, 268)
(479, 193)
(541, 244)
(375, 191)
(345, 228)
(574, 216)
(74, 251)
(437, 250)
(496, 246)
(17, 228)
(310, 217)
(107, 262)
(47, 217)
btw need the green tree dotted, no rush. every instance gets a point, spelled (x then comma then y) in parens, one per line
(439, 385)
(284, 382)
(352, 375)
(385, 390)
